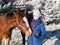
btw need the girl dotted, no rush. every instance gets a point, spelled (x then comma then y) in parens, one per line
(38, 29)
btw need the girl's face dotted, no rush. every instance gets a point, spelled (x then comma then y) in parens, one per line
(35, 17)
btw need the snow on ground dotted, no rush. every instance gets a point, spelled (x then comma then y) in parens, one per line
(53, 35)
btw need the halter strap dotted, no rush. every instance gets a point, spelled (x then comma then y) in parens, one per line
(20, 24)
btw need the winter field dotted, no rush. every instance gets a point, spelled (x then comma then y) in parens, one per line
(53, 35)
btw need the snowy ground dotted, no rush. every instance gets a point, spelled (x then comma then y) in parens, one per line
(53, 35)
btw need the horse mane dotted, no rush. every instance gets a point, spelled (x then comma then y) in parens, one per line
(9, 15)
(9, 11)
(6, 10)
(20, 12)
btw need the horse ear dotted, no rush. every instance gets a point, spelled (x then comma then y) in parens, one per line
(15, 14)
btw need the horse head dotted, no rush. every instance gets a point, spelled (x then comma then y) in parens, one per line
(22, 25)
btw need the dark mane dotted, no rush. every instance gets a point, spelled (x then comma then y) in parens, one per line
(6, 10)
(9, 15)
(20, 12)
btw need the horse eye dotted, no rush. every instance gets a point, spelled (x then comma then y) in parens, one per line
(23, 22)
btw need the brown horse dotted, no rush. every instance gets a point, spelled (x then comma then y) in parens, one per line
(7, 23)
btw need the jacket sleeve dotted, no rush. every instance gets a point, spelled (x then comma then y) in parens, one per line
(43, 31)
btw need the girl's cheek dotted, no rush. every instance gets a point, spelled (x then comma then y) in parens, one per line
(35, 18)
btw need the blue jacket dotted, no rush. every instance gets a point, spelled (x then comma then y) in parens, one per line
(39, 29)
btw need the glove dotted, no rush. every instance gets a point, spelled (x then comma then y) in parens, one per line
(37, 35)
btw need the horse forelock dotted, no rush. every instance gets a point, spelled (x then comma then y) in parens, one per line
(9, 15)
